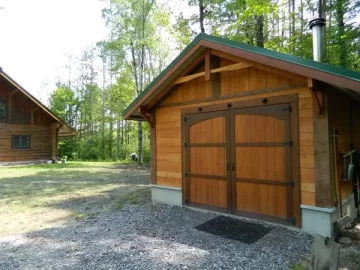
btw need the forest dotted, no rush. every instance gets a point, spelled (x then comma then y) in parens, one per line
(145, 35)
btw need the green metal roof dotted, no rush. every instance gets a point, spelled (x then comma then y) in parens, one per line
(331, 69)
(335, 70)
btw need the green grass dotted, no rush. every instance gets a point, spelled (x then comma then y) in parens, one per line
(298, 267)
(139, 196)
(40, 196)
(79, 215)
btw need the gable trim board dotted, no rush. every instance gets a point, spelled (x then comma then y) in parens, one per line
(341, 77)
(215, 183)
(65, 130)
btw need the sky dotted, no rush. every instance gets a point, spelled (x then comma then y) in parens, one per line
(37, 35)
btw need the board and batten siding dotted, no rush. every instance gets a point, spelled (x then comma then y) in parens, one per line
(41, 142)
(232, 87)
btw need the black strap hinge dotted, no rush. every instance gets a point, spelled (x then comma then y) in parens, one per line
(291, 184)
(186, 174)
(186, 118)
(288, 143)
(185, 144)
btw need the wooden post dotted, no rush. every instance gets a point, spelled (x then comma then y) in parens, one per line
(54, 140)
(32, 115)
(148, 116)
(215, 78)
(10, 103)
(324, 188)
(153, 150)
(207, 65)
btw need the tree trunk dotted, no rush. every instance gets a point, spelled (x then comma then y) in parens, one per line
(293, 24)
(111, 135)
(201, 13)
(283, 27)
(128, 133)
(289, 11)
(341, 31)
(117, 138)
(328, 32)
(123, 126)
(103, 113)
(140, 143)
(259, 30)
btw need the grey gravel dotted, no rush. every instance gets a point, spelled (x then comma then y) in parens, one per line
(149, 237)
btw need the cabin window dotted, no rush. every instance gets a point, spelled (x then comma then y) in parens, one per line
(21, 141)
(2, 110)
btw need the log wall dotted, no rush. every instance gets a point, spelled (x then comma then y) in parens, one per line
(41, 142)
(24, 117)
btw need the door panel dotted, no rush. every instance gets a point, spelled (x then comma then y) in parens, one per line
(260, 177)
(208, 192)
(261, 199)
(239, 161)
(265, 163)
(212, 161)
(258, 128)
(205, 148)
(208, 131)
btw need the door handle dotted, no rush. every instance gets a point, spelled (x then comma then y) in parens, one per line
(233, 166)
(228, 166)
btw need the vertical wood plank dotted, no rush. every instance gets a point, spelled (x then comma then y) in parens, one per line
(207, 65)
(215, 78)
(153, 149)
(323, 178)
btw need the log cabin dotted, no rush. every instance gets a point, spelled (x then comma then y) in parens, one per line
(29, 131)
(247, 131)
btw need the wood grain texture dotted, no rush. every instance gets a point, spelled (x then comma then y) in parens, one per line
(236, 81)
(42, 138)
(262, 163)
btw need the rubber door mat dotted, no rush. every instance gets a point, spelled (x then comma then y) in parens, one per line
(235, 229)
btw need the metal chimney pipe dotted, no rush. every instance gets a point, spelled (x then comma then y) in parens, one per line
(316, 26)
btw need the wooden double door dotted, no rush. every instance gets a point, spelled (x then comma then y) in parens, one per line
(239, 161)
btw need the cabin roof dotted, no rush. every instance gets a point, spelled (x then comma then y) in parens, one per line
(65, 130)
(343, 78)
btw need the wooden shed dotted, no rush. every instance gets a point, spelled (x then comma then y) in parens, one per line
(248, 131)
(29, 131)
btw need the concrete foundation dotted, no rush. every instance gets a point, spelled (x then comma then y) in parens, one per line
(317, 220)
(166, 195)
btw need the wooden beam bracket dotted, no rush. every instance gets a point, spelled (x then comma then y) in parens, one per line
(149, 116)
(232, 67)
(317, 97)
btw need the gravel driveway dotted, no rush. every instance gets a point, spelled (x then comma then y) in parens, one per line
(148, 237)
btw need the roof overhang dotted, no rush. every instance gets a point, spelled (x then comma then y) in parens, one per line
(65, 130)
(347, 80)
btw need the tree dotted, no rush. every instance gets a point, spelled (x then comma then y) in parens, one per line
(134, 38)
(64, 103)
